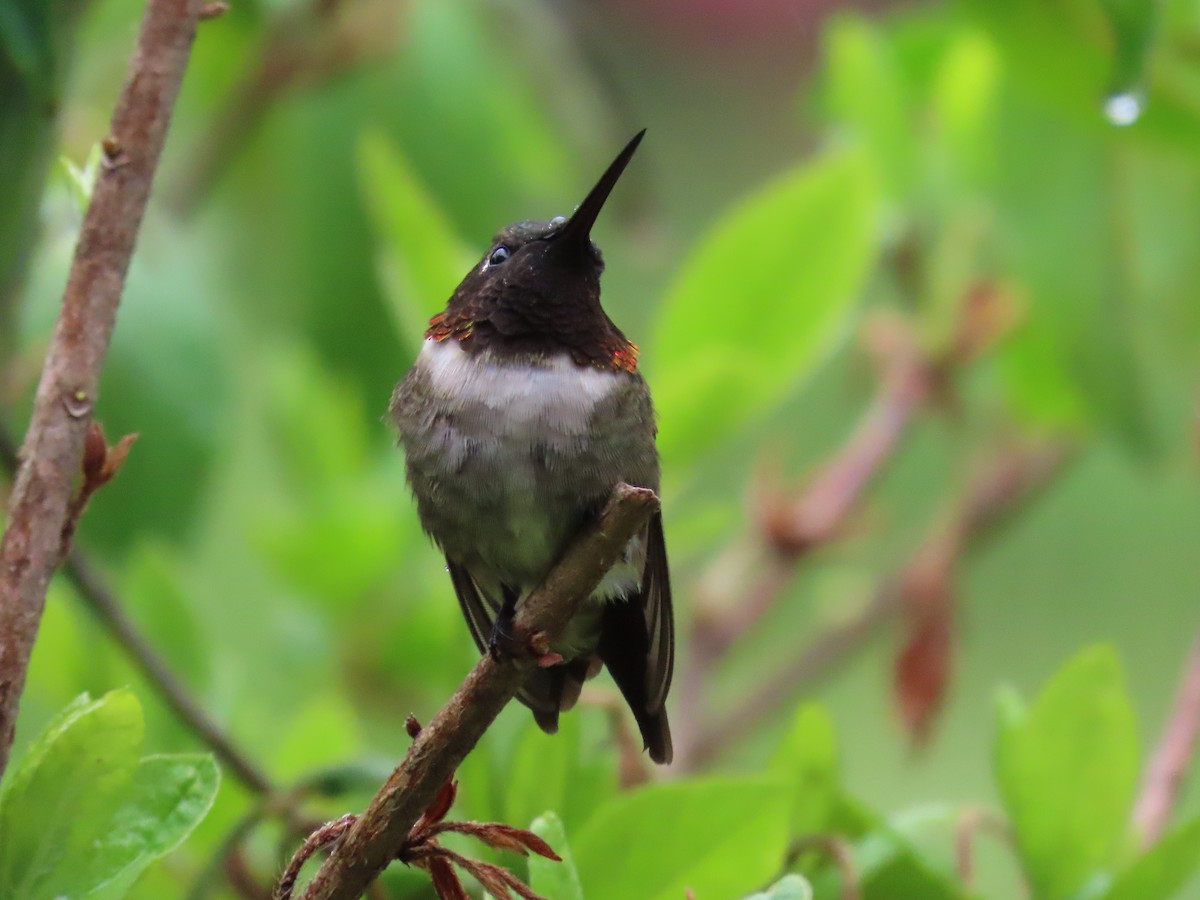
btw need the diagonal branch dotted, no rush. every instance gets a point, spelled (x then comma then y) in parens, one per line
(32, 544)
(1167, 771)
(441, 746)
(988, 501)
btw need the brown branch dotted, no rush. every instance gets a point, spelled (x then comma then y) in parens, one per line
(66, 395)
(725, 609)
(912, 379)
(988, 500)
(442, 745)
(794, 529)
(1168, 767)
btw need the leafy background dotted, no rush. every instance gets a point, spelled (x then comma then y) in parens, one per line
(811, 171)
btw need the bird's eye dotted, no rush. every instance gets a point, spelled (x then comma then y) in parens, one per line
(558, 221)
(497, 256)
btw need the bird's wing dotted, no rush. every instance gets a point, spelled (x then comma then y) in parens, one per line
(474, 607)
(660, 621)
(543, 689)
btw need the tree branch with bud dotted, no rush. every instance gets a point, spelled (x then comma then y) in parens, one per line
(40, 507)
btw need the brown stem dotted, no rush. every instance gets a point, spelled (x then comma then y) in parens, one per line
(790, 531)
(443, 744)
(1168, 767)
(66, 395)
(970, 824)
(987, 501)
(840, 852)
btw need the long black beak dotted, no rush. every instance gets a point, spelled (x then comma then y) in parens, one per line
(578, 229)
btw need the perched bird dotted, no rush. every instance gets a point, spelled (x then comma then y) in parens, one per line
(522, 412)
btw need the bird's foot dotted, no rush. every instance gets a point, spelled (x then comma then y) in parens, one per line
(545, 657)
(505, 644)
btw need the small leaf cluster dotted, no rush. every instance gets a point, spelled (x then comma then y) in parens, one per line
(83, 813)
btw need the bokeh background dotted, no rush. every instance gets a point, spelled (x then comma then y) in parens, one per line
(1005, 195)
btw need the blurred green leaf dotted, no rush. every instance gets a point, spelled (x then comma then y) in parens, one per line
(790, 887)
(167, 798)
(421, 257)
(809, 756)
(472, 120)
(29, 32)
(154, 592)
(1063, 223)
(1068, 771)
(81, 180)
(556, 772)
(316, 423)
(58, 799)
(1163, 869)
(554, 880)
(763, 298)
(1038, 383)
(867, 94)
(906, 874)
(1134, 23)
(719, 837)
(321, 734)
(341, 544)
(964, 98)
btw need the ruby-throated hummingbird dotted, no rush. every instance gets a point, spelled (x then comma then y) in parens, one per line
(522, 412)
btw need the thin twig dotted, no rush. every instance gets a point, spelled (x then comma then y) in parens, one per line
(1167, 770)
(66, 396)
(94, 590)
(988, 500)
(92, 587)
(970, 824)
(793, 530)
(837, 849)
(327, 834)
(442, 745)
(748, 579)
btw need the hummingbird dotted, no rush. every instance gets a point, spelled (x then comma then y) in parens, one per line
(523, 410)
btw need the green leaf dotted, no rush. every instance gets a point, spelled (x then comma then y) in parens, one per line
(1076, 352)
(790, 887)
(552, 772)
(1067, 772)
(169, 796)
(61, 795)
(27, 40)
(866, 93)
(762, 300)
(81, 180)
(556, 880)
(719, 837)
(964, 100)
(1134, 23)
(809, 756)
(421, 257)
(1163, 870)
